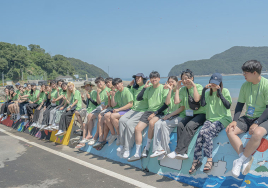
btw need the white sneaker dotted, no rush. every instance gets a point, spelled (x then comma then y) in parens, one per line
(4, 118)
(160, 157)
(108, 138)
(172, 155)
(42, 127)
(157, 153)
(247, 165)
(182, 157)
(84, 141)
(1, 116)
(34, 124)
(54, 127)
(46, 127)
(91, 142)
(120, 148)
(113, 137)
(126, 154)
(59, 133)
(236, 168)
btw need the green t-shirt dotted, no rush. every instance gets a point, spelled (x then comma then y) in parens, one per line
(155, 96)
(184, 98)
(123, 98)
(215, 110)
(17, 94)
(173, 107)
(103, 95)
(139, 106)
(42, 97)
(77, 96)
(54, 95)
(93, 96)
(248, 94)
(34, 96)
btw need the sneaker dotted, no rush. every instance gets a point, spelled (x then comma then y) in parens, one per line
(144, 153)
(99, 144)
(108, 138)
(84, 141)
(59, 133)
(247, 165)
(1, 116)
(42, 127)
(120, 148)
(91, 142)
(182, 157)
(46, 127)
(34, 124)
(4, 118)
(113, 137)
(236, 168)
(53, 127)
(126, 154)
(134, 158)
(117, 140)
(172, 155)
(18, 117)
(157, 153)
(160, 157)
(38, 125)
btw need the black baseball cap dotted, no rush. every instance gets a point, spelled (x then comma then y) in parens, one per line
(216, 78)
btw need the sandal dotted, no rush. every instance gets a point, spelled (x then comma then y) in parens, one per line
(196, 167)
(209, 166)
(79, 146)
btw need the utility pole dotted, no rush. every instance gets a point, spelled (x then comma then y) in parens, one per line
(3, 80)
(108, 71)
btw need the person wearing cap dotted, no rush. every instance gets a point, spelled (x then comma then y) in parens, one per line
(129, 121)
(218, 116)
(254, 92)
(102, 101)
(161, 130)
(188, 95)
(155, 95)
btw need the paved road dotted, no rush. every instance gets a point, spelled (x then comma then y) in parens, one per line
(28, 162)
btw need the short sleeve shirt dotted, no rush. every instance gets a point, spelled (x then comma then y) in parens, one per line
(42, 97)
(93, 96)
(215, 110)
(155, 97)
(77, 96)
(255, 95)
(173, 107)
(103, 95)
(184, 98)
(123, 98)
(140, 106)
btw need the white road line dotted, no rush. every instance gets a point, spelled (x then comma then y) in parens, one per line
(86, 164)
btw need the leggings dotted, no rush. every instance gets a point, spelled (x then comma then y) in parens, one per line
(65, 120)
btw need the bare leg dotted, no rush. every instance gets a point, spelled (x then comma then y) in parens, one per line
(115, 121)
(235, 140)
(79, 119)
(99, 129)
(107, 117)
(138, 132)
(254, 141)
(151, 127)
(90, 124)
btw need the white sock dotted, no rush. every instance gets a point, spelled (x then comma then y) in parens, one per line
(148, 144)
(240, 154)
(242, 158)
(138, 151)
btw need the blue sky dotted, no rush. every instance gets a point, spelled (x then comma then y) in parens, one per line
(135, 36)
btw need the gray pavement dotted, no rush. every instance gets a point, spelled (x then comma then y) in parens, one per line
(25, 165)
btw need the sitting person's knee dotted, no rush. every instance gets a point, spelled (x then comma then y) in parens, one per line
(257, 134)
(151, 125)
(107, 116)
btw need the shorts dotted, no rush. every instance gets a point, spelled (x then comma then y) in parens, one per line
(123, 112)
(109, 109)
(95, 112)
(144, 117)
(82, 112)
(244, 123)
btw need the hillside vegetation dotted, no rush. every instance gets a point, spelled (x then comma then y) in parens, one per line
(227, 62)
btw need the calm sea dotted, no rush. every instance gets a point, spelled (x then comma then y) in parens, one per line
(233, 83)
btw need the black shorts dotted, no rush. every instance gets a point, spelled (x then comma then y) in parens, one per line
(144, 117)
(244, 123)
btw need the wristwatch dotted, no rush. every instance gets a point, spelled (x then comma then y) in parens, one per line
(256, 122)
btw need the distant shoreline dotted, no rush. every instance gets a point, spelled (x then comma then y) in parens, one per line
(237, 74)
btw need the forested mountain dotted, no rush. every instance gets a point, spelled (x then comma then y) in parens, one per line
(18, 60)
(227, 62)
(82, 68)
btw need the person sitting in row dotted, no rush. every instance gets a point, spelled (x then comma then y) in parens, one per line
(254, 92)
(12, 105)
(32, 101)
(123, 100)
(155, 95)
(5, 105)
(74, 101)
(129, 121)
(23, 99)
(218, 116)
(189, 96)
(165, 126)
